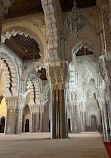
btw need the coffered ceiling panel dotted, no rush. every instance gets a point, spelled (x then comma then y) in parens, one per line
(26, 7)
(68, 4)
(24, 47)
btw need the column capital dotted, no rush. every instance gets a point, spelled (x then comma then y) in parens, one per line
(57, 76)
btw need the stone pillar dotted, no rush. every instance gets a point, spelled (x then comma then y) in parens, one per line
(33, 122)
(36, 122)
(30, 123)
(19, 121)
(106, 30)
(77, 119)
(41, 121)
(83, 119)
(59, 119)
(73, 119)
(62, 114)
(105, 123)
(46, 118)
(11, 119)
(10, 122)
(109, 109)
(58, 114)
(53, 114)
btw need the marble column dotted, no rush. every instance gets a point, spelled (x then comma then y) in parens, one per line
(41, 121)
(46, 118)
(30, 122)
(10, 123)
(15, 121)
(19, 120)
(72, 118)
(11, 119)
(53, 114)
(105, 123)
(62, 114)
(33, 115)
(58, 114)
(36, 122)
(106, 29)
(109, 110)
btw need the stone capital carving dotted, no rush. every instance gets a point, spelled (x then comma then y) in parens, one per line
(57, 76)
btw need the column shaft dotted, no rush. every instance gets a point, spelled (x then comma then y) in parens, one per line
(53, 114)
(62, 114)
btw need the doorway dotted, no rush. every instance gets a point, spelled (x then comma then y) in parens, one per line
(2, 125)
(26, 119)
(27, 125)
(69, 125)
(93, 123)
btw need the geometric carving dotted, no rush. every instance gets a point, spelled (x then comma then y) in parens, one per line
(10, 75)
(56, 75)
(24, 46)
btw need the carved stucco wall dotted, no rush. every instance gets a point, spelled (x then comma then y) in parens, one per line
(12, 70)
(34, 25)
(86, 88)
(91, 35)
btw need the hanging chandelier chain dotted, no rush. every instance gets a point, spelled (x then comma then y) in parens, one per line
(34, 74)
(75, 21)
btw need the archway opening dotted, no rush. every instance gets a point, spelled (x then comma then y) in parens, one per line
(26, 119)
(3, 110)
(85, 86)
(2, 125)
(69, 125)
(93, 125)
(27, 125)
(39, 100)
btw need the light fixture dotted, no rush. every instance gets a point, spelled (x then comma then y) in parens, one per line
(75, 21)
(34, 74)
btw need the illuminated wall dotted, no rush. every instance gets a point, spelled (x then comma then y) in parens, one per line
(3, 108)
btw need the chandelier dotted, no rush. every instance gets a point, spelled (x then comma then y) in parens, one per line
(75, 21)
(34, 74)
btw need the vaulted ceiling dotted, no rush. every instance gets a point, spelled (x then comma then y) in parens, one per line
(25, 48)
(25, 7)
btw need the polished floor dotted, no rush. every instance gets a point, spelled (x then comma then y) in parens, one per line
(38, 145)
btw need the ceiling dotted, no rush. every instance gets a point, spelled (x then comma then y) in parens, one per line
(68, 4)
(25, 48)
(25, 7)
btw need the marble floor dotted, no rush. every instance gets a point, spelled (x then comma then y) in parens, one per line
(39, 145)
